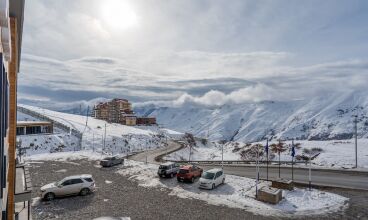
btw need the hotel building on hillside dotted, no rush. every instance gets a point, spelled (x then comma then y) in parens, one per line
(120, 111)
(14, 179)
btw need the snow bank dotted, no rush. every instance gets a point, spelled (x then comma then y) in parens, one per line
(239, 192)
(65, 156)
(335, 153)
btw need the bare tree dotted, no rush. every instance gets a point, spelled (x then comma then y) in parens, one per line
(278, 148)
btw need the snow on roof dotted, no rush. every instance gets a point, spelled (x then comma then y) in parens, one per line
(167, 163)
(78, 176)
(214, 170)
(20, 123)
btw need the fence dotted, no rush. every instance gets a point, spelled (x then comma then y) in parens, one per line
(218, 162)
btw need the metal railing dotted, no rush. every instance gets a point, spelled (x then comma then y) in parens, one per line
(219, 162)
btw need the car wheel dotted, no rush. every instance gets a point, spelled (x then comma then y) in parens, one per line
(171, 175)
(192, 180)
(84, 191)
(213, 186)
(49, 196)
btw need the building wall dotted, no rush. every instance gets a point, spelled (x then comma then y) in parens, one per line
(146, 121)
(131, 121)
(4, 145)
(34, 129)
(111, 111)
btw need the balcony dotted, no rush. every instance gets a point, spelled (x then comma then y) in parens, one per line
(23, 193)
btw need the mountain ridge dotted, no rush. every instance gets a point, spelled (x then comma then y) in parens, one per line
(325, 117)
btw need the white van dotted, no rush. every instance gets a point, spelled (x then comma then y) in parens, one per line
(212, 178)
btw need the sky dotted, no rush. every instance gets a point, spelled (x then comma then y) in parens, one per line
(211, 52)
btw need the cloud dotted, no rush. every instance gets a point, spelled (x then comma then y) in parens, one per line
(87, 78)
(255, 93)
(201, 52)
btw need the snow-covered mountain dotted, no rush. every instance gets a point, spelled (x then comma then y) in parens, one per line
(328, 117)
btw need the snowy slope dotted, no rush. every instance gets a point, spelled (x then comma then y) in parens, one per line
(329, 117)
(119, 138)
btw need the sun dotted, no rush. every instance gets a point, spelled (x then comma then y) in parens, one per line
(118, 14)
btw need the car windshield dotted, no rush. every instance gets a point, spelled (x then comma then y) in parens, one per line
(163, 167)
(182, 171)
(208, 175)
(59, 183)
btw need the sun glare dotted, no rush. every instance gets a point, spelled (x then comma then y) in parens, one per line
(118, 14)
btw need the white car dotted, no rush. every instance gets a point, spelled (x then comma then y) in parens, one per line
(71, 185)
(212, 178)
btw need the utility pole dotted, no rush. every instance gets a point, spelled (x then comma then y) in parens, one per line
(93, 142)
(279, 158)
(104, 140)
(222, 156)
(310, 172)
(167, 146)
(266, 148)
(356, 140)
(257, 171)
(190, 151)
(292, 160)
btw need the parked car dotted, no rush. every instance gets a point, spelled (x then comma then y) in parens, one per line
(111, 161)
(212, 178)
(71, 185)
(168, 169)
(189, 172)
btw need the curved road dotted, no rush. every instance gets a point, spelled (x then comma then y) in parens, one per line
(320, 177)
(152, 155)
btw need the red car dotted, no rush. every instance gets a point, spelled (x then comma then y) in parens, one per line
(189, 172)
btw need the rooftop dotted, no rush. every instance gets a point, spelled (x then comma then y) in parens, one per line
(214, 170)
(29, 123)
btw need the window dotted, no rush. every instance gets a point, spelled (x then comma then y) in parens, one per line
(76, 181)
(182, 171)
(218, 174)
(67, 183)
(88, 179)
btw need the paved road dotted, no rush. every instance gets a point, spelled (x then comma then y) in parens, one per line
(151, 155)
(320, 177)
(332, 178)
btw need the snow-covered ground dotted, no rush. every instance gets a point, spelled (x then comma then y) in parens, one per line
(335, 154)
(239, 192)
(64, 156)
(120, 139)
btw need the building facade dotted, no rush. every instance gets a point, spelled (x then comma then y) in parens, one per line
(120, 111)
(117, 108)
(146, 121)
(11, 26)
(128, 119)
(34, 127)
(101, 111)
